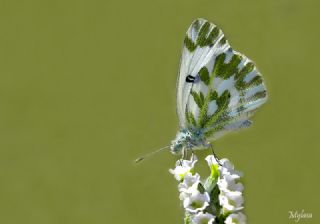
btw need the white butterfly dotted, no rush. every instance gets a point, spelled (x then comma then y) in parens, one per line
(218, 89)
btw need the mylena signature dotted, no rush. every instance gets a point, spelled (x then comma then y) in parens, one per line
(298, 215)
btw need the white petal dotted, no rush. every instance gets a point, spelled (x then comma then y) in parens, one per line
(201, 218)
(196, 202)
(236, 218)
(228, 183)
(183, 167)
(211, 160)
(188, 181)
(231, 201)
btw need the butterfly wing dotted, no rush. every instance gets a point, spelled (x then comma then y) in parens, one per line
(226, 89)
(200, 45)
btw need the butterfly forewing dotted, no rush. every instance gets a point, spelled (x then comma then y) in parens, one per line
(225, 87)
(200, 44)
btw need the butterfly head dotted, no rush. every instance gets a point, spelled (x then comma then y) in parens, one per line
(176, 146)
(186, 139)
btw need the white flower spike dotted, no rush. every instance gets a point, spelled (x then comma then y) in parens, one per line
(218, 199)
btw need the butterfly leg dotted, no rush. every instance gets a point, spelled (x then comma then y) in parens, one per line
(183, 152)
(186, 154)
(214, 154)
(192, 154)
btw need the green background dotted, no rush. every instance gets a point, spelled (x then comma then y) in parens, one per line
(87, 86)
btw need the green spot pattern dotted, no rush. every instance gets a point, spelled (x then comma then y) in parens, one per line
(204, 75)
(223, 69)
(206, 36)
(189, 44)
(190, 118)
(202, 101)
(198, 98)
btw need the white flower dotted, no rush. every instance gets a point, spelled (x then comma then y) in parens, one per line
(236, 218)
(227, 168)
(214, 175)
(189, 184)
(211, 160)
(203, 218)
(188, 181)
(196, 202)
(183, 195)
(231, 201)
(183, 167)
(228, 183)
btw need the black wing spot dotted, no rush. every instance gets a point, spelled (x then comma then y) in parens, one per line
(190, 79)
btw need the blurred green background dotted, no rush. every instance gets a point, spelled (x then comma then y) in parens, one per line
(87, 86)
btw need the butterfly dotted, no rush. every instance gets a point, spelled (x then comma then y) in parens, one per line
(218, 89)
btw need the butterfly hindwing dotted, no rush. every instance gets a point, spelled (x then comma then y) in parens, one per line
(224, 89)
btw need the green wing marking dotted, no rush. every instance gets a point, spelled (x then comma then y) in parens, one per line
(205, 37)
(228, 89)
(233, 69)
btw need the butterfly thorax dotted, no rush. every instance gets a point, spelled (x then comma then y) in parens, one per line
(188, 139)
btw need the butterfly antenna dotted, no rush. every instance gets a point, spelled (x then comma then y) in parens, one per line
(150, 154)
